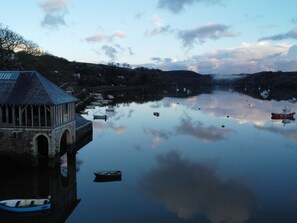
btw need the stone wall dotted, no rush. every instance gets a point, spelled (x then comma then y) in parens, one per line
(16, 144)
(19, 144)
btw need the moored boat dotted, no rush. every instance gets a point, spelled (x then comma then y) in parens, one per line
(90, 106)
(286, 114)
(84, 112)
(25, 205)
(99, 117)
(105, 176)
(283, 116)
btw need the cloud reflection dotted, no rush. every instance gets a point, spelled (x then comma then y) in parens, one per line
(288, 133)
(158, 136)
(102, 126)
(189, 188)
(198, 130)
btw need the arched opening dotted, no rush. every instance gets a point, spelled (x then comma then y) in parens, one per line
(65, 143)
(42, 149)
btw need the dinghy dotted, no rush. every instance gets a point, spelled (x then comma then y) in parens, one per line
(25, 205)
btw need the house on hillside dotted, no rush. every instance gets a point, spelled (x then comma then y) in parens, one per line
(37, 118)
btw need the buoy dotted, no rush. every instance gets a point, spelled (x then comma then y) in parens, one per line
(156, 114)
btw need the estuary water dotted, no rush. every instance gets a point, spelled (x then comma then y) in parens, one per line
(209, 158)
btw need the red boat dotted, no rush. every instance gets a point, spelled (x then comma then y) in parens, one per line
(283, 116)
(286, 114)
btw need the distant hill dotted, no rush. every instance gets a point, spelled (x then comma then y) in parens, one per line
(85, 75)
(282, 85)
(78, 76)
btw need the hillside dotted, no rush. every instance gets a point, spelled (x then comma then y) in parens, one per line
(79, 76)
(282, 85)
(84, 77)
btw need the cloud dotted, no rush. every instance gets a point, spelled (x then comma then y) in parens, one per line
(110, 52)
(294, 20)
(176, 6)
(245, 58)
(159, 27)
(99, 37)
(55, 11)
(139, 15)
(51, 6)
(292, 34)
(197, 189)
(203, 33)
(292, 53)
(161, 60)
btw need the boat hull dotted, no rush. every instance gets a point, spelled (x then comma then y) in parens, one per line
(25, 205)
(283, 116)
(100, 117)
(106, 176)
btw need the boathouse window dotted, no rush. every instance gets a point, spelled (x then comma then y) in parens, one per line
(17, 115)
(48, 116)
(23, 115)
(3, 108)
(9, 114)
(29, 116)
(42, 115)
(35, 115)
(65, 113)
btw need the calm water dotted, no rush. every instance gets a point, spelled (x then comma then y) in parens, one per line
(210, 158)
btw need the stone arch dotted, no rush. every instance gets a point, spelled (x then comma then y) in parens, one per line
(41, 148)
(66, 141)
(65, 145)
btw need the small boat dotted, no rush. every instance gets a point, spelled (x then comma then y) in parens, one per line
(100, 117)
(25, 205)
(286, 114)
(105, 101)
(106, 176)
(90, 106)
(96, 103)
(83, 112)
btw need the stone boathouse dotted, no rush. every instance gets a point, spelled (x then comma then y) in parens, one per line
(37, 119)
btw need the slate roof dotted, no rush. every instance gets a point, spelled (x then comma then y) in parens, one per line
(30, 88)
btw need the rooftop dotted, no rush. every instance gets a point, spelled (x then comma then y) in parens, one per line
(29, 87)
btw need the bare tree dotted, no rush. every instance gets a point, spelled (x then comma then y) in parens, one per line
(11, 43)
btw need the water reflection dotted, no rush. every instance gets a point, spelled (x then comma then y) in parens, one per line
(39, 183)
(240, 173)
(189, 188)
(288, 133)
(197, 130)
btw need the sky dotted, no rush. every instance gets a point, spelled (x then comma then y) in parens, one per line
(205, 36)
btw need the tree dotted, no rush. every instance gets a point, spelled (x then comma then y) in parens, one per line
(10, 44)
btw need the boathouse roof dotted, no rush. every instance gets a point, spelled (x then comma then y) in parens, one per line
(30, 88)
